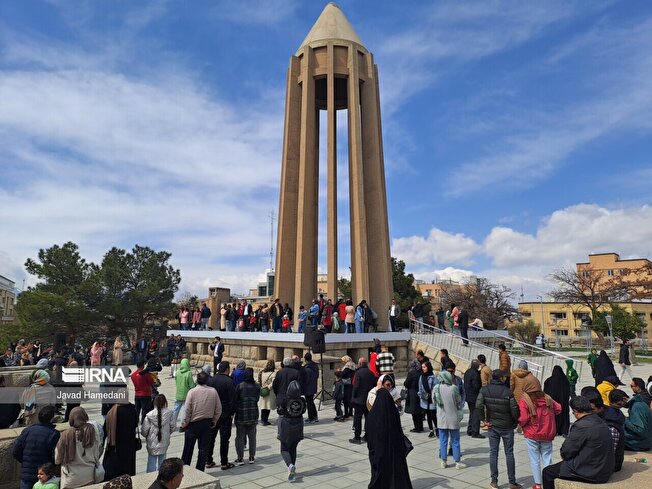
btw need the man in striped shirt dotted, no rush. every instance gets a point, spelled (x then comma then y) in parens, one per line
(385, 362)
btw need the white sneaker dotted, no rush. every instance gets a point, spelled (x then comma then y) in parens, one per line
(292, 469)
(443, 464)
(460, 465)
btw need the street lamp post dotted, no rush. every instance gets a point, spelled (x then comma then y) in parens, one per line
(543, 319)
(609, 320)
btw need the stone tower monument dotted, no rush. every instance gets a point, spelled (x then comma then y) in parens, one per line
(332, 70)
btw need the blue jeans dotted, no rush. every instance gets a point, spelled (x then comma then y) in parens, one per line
(302, 324)
(539, 451)
(179, 406)
(277, 323)
(507, 435)
(155, 461)
(455, 442)
(204, 323)
(229, 325)
(359, 327)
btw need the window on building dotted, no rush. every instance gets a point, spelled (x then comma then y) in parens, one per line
(641, 317)
(610, 273)
(623, 271)
(586, 274)
(526, 314)
(560, 332)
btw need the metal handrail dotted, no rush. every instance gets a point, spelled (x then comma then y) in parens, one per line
(549, 357)
(454, 341)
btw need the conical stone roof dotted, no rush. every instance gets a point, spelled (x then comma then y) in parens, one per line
(331, 24)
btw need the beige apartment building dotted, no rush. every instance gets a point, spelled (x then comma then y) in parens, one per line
(560, 319)
(7, 300)
(557, 318)
(609, 266)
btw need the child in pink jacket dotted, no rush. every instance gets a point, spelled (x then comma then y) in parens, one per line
(537, 418)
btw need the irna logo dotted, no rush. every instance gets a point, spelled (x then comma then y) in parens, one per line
(89, 375)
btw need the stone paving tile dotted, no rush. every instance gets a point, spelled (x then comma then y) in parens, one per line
(326, 459)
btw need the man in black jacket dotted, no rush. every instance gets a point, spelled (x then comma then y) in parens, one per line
(472, 386)
(584, 453)
(35, 446)
(287, 374)
(363, 381)
(463, 321)
(309, 375)
(223, 384)
(497, 406)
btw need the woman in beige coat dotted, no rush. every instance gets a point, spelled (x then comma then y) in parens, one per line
(117, 351)
(267, 403)
(78, 452)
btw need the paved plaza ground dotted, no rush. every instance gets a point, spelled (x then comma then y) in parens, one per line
(326, 459)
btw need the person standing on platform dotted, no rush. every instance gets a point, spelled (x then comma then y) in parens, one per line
(360, 316)
(624, 360)
(143, 391)
(327, 316)
(184, 382)
(205, 316)
(393, 314)
(463, 321)
(302, 316)
(412, 404)
(348, 373)
(117, 351)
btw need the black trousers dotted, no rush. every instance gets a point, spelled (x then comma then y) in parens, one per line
(264, 415)
(417, 419)
(200, 432)
(358, 413)
(223, 427)
(465, 334)
(311, 408)
(216, 362)
(338, 408)
(289, 453)
(431, 416)
(143, 406)
(473, 428)
(551, 472)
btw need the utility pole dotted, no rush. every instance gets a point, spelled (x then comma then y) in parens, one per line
(271, 240)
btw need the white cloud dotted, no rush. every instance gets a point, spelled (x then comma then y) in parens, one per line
(439, 246)
(449, 273)
(569, 235)
(524, 261)
(93, 155)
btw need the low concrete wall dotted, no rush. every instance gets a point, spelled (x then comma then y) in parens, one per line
(633, 475)
(9, 467)
(192, 479)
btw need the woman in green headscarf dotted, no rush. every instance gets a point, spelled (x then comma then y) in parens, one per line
(40, 393)
(185, 382)
(449, 408)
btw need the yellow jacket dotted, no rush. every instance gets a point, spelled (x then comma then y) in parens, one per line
(604, 389)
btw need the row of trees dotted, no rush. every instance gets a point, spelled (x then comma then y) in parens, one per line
(128, 290)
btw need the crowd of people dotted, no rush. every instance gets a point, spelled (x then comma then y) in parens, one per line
(501, 402)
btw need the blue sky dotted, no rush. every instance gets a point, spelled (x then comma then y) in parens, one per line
(517, 135)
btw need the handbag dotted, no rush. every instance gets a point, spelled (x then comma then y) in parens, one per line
(408, 445)
(404, 393)
(264, 391)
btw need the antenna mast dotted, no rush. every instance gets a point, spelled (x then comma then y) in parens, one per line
(271, 240)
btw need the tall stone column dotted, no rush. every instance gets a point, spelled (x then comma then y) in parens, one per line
(332, 70)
